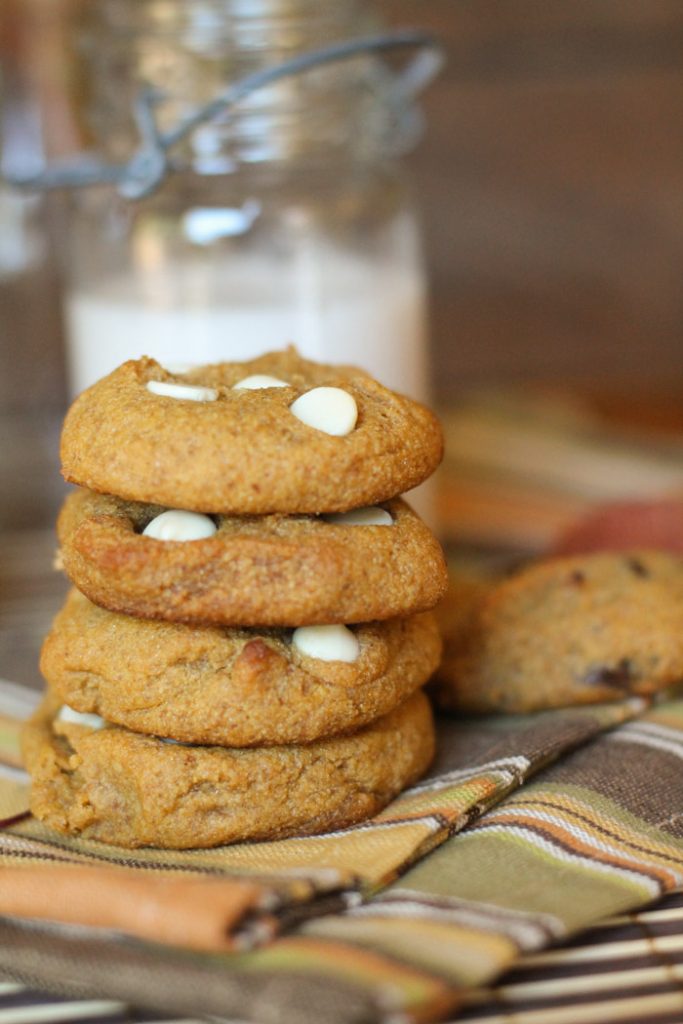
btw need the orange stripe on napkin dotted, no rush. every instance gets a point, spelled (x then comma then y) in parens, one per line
(196, 913)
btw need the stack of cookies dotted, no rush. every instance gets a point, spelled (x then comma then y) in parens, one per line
(244, 653)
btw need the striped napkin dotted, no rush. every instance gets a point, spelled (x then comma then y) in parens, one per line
(598, 833)
(329, 930)
(236, 897)
(625, 970)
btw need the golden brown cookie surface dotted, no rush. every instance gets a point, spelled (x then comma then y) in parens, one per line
(257, 571)
(566, 631)
(232, 687)
(244, 451)
(131, 790)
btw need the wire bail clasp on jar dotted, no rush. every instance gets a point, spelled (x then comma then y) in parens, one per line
(145, 171)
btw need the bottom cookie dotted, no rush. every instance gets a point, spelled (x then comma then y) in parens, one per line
(132, 790)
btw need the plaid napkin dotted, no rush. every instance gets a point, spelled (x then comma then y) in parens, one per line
(360, 945)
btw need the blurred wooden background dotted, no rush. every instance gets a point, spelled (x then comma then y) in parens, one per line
(551, 185)
(552, 188)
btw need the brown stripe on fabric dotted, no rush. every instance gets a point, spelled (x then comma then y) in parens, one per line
(14, 820)
(463, 743)
(673, 900)
(671, 927)
(294, 915)
(631, 1013)
(38, 858)
(590, 998)
(636, 927)
(11, 845)
(589, 968)
(175, 983)
(375, 825)
(665, 880)
(649, 786)
(593, 824)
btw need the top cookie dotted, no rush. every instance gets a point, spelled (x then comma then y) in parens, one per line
(310, 439)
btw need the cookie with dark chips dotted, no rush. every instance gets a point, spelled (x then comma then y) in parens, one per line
(565, 631)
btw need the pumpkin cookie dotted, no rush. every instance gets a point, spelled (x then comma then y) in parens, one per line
(567, 631)
(252, 571)
(277, 434)
(234, 687)
(132, 790)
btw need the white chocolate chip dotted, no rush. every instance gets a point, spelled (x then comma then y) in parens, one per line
(327, 643)
(67, 714)
(259, 380)
(176, 524)
(187, 392)
(330, 410)
(371, 515)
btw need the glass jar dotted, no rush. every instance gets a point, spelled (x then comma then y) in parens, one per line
(286, 221)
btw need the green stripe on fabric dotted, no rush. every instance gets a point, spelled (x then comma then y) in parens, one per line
(458, 955)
